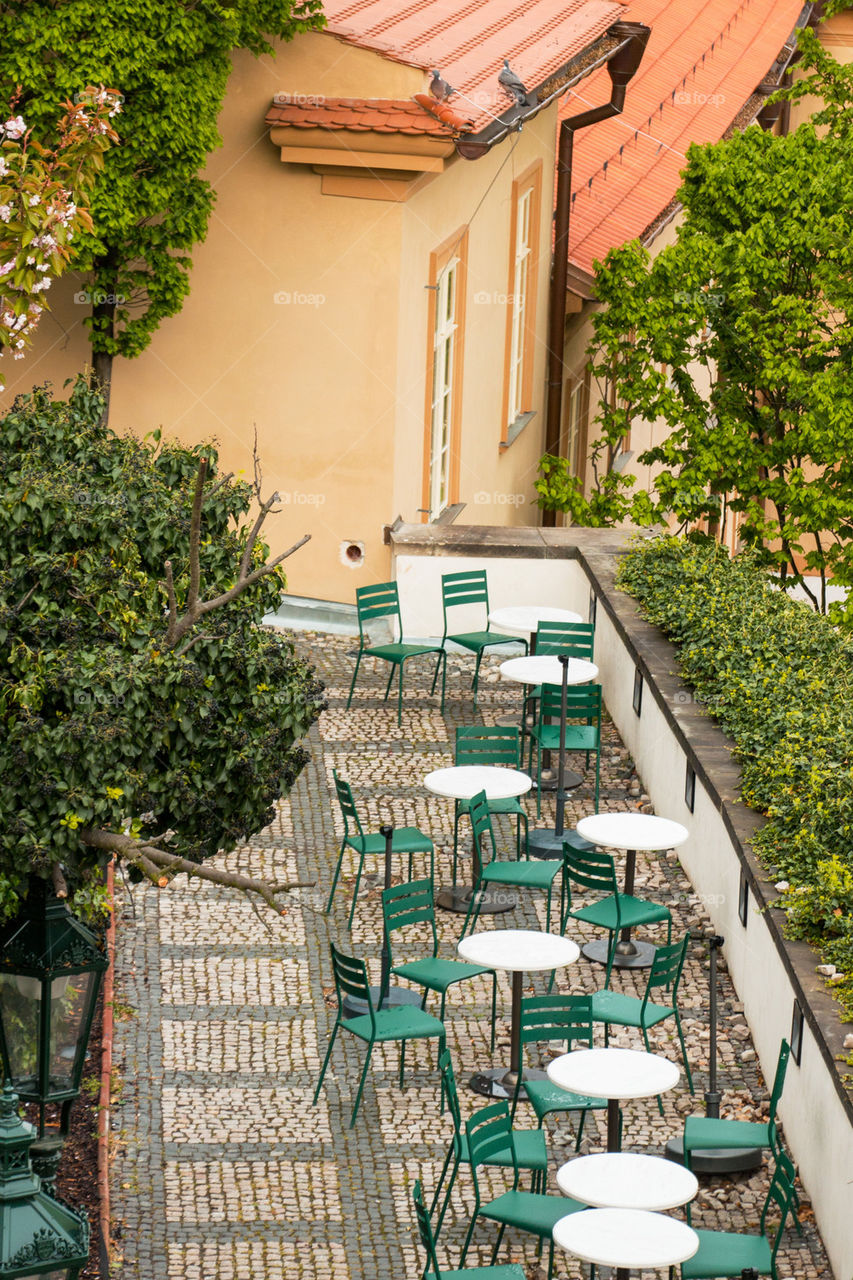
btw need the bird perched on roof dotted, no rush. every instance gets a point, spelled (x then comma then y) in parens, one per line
(514, 87)
(439, 88)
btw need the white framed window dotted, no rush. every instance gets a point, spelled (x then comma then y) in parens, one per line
(443, 375)
(519, 305)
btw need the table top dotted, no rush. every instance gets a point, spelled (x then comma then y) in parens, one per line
(613, 1073)
(625, 1180)
(626, 1238)
(526, 617)
(547, 670)
(632, 831)
(518, 950)
(462, 781)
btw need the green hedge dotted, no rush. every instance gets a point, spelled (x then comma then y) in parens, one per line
(779, 680)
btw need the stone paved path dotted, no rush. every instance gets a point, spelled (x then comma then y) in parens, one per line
(222, 1169)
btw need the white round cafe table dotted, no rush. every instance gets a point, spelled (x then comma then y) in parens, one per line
(517, 951)
(627, 1180)
(614, 1074)
(626, 1238)
(629, 831)
(463, 782)
(523, 619)
(547, 669)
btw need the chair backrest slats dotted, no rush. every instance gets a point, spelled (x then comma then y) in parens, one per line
(489, 1133)
(583, 702)
(469, 587)
(481, 823)
(380, 600)
(445, 1066)
(488, 744)
(779, 1078)
(564, 1018)
(351, 980)
(412, 903)
(591, 868)
(347, 803)
(577, 639)
(666, 969)
(781, 1194)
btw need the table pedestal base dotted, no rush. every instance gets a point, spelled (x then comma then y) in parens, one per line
(499, 1082)
(397, 996)
(458, 898)
(639, 957)
(713, 1161)
(542, 842)
(548, 781)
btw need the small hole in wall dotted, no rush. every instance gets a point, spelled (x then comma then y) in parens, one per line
(352, 554)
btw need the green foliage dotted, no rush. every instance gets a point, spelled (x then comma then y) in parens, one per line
(171, 61)
(779, 680)
(737, 341)
(102, 726)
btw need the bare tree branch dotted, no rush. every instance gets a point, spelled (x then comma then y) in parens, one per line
(60, 885)
(185, 648)
(179, 626)
(154, 862)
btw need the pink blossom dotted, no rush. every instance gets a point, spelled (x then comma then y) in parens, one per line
(14, 127)
(5, 212)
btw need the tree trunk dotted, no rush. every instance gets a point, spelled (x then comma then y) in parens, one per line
(103, 331)
(102, 365)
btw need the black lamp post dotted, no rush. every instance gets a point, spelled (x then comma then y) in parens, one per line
(51, 969)
(40, 1237)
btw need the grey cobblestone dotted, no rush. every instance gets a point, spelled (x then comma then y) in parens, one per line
(222, 1169)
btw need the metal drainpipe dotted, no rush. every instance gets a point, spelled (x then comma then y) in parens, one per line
(621, 69)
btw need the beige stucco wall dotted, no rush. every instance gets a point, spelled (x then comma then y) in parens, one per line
(307, 320)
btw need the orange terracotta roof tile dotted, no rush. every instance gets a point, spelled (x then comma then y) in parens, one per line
(698, 71)
(468, 40)
(379, 115)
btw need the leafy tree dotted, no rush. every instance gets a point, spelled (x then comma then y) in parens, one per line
(41, 207)
(738, 340)
(171, 60)
(144, 711)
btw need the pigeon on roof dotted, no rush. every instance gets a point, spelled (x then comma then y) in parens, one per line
(439, 88)
(514, 87)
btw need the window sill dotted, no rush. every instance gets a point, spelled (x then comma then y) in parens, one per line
(515, 429)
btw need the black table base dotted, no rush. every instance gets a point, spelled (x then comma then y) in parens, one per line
(458, 898)
(499, 1082)
(703, 1160)
(640, 955)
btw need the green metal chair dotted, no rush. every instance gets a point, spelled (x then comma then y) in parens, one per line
(489, 1131)
(376, 1026)
(408, 840)
(617, 1010)
(382, 601)
(470, 588)
(531, 1151)
(592, 869)
(583, 707)
(567, 1019)
(490, 745)
(526, 874)
(413, 903)
(704, 1133)
(511, 1271)
(577, 639)
(726, 1253)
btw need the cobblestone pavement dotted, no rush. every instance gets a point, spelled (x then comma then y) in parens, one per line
(222, 1169)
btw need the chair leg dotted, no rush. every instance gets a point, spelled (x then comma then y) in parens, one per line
(450, 1153)
(597, 774)
(361, 1084)
(335, 876)
(400, 698)
(434, 678)
(501, 1231)
(355, 889)
(494, 1006)
(580, 1131)
(447, 1194)
(443, 660)
(402, 1060)
(548, 909)
(648, 1050)
(611, 955)
(471, 907)
(522, 817)
(388, 685)
(684, 1054)
(475, 683)
(354, 678)
(325, 1062)
(467, 1243)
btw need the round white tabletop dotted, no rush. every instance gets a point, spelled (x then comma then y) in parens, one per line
(613, 1073)
(525, 618)
(463, 781)
(518, 950)
(626, 1180)
(547, 670)
(626, 1238)
(632, 830)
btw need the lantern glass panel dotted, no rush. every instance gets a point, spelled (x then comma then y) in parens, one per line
(20, 1000)
(70, 997)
